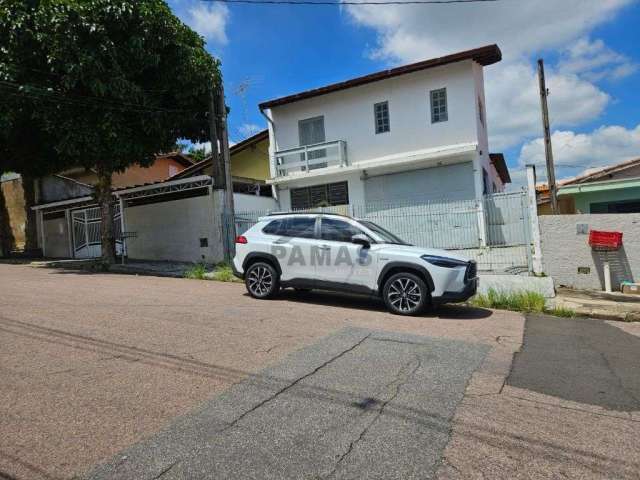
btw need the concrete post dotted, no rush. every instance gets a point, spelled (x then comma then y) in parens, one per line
(479, 191)
(533, 218)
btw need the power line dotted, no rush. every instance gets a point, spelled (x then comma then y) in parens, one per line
(40, 93)
(350, 2)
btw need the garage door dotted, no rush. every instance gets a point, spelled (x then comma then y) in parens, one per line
(448, 182)
(432, 207)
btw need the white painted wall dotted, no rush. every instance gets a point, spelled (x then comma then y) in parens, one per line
(482, 128)
(348, 114)
(172, 231)
(249, 203)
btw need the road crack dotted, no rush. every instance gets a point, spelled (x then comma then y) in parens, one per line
(404, 375)
(292, 384)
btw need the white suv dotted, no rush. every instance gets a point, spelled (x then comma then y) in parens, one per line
(334, 252)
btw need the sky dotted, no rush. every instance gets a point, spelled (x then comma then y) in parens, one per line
(591, 50)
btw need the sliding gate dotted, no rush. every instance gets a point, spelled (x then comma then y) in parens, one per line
(87, 232)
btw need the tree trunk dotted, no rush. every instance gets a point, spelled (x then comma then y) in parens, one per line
(30, 227)
(6, 235)
(105, 201)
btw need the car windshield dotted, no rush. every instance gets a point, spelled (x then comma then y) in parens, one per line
(385, 235)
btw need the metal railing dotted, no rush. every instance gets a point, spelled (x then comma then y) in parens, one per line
(311, 157)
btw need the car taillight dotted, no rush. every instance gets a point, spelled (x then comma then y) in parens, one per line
(241, 239)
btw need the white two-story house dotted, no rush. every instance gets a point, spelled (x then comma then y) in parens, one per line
(416, 133)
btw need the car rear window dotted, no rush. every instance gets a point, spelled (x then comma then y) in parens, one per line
(300, 227)
(273, 227)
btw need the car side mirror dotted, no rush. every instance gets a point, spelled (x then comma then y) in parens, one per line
(361, 239)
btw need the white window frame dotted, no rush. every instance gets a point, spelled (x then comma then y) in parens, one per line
(442, 113)
(381, 122)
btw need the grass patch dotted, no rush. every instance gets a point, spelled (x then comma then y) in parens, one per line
(196, 272)
(524, 301)
(561, 312)
(224, 273)
(221, 273)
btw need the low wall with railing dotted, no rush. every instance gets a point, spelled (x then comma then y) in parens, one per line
(453, 225)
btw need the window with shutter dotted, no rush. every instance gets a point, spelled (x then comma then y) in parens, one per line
(325, 195)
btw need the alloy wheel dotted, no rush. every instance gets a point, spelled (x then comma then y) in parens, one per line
(260, 281)
(404, 294)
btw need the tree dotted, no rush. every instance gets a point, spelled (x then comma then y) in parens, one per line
(103, 83)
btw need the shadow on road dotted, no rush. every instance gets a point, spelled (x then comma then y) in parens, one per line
(581, 360)
(371, 303)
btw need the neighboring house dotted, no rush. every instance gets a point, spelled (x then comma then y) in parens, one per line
(415, 133)
(173, 217)
(249, 165)
(614, 189)
(80, 181)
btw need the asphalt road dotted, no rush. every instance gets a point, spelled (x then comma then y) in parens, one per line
(357, 404)
(115, 376)
(582, 360)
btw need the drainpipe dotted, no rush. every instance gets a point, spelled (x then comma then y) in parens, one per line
(272, 157)
(479, 186)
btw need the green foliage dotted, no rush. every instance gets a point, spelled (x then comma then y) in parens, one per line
(561, 312)
(102, 81)
(197, 154)
(197, 272)
(224, 273)
(221, 273)
(523, 301)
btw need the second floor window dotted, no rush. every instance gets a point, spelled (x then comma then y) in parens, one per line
(439, 106)
(381, 116)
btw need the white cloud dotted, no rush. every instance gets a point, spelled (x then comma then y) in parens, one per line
(575, 152)
(209, 19)
(595, 61)
(248, 129)
(199, 146)
(521, 28)
(513, 102)
(415, 32)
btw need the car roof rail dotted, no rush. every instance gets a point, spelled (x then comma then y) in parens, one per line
(278, 214)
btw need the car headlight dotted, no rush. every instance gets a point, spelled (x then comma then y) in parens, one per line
(444, 261)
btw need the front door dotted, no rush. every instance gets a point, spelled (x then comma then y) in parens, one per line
(344, 262)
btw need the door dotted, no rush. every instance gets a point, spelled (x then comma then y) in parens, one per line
(342, 262)
(293, 248)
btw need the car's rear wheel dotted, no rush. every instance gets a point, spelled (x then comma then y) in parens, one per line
(262, 280)
(405, 294)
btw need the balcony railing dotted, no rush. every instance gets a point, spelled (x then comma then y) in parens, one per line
(311, 157)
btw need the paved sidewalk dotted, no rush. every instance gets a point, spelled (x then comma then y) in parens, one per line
(570, 409)
(595, 304)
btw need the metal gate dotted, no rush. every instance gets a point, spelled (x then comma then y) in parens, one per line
(87, 232)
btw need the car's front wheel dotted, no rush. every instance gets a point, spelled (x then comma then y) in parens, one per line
(405, 294)
(262, 280)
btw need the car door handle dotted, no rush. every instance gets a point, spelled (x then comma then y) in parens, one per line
(324, 247)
